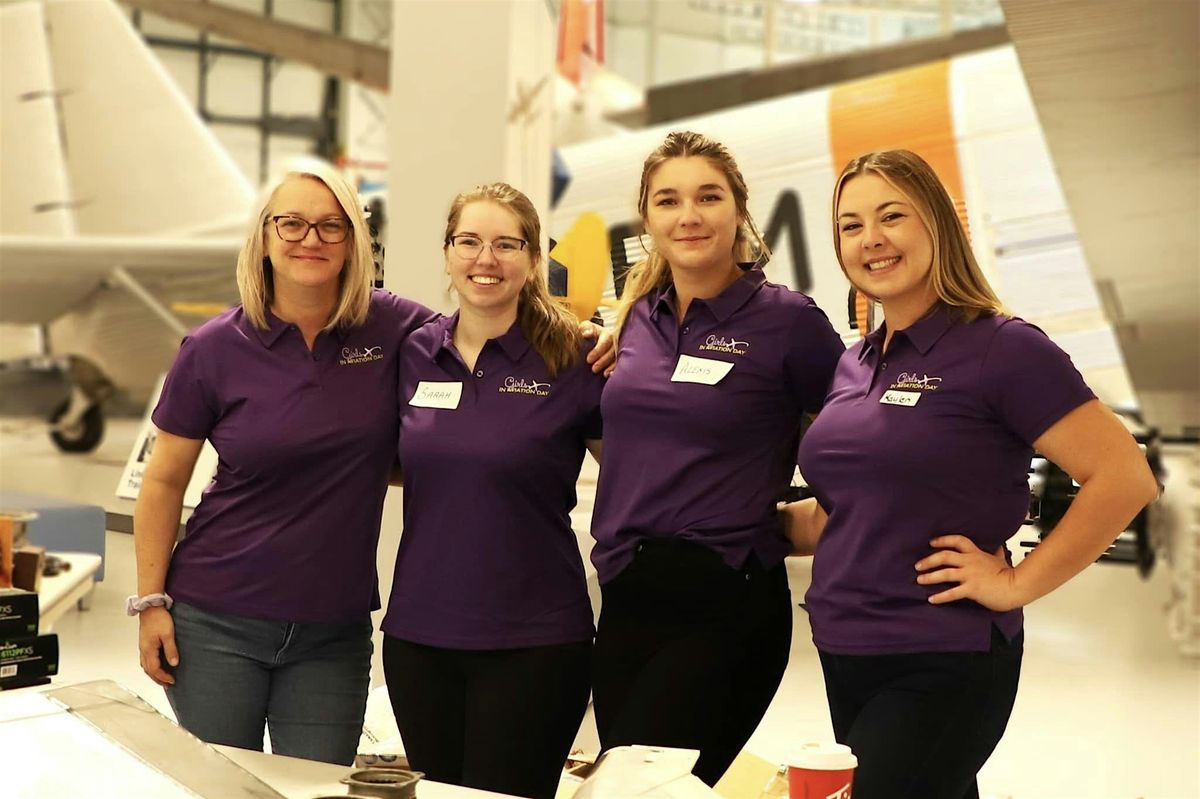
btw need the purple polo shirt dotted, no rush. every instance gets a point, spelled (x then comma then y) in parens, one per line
(708, 463)
(488, 559)
(932, 438)
(288, 527)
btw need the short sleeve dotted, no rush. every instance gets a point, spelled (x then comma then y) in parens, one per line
(186, 406)
(813, 351)
(1028, 381)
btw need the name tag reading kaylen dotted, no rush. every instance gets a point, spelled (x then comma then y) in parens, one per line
(706, 371)
(905, 398)
(431, 394)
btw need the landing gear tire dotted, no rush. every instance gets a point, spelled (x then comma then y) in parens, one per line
(82, 437)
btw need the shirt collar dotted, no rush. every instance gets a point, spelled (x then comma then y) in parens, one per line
(922, 334)
(276, 327)
(513, 343)
(268, 335)
(724, 304)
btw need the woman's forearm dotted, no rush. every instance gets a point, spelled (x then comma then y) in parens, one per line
(155, 528)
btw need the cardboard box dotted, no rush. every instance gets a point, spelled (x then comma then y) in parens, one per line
(18, 613)
(23, 660)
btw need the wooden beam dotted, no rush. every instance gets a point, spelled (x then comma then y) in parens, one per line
(326, 52)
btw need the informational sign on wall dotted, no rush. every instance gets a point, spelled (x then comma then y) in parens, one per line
(139, 457)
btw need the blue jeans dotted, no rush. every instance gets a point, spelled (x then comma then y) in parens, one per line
(307, 682)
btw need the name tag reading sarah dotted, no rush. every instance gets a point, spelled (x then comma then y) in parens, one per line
(437, 395)
(706, 371)
(905, 398)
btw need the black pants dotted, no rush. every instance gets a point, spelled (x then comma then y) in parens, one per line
(498, 720)
(689, 652)
(922, 725)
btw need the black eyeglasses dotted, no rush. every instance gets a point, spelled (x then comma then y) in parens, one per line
(293, 228)
(469, 247)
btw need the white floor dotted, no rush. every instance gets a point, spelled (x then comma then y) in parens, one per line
(1108, 707)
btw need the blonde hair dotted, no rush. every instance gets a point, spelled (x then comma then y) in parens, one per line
(654, 273)
(254, 272)
(551, 328)
(955, 276)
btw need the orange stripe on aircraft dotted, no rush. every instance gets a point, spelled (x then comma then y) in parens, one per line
(908, 109)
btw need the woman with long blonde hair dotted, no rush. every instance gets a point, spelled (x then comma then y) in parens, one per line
(918, 462)
(717, 368)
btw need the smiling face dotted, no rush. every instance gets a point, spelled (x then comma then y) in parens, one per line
(308, 264)
(885, 248)
(487, 283)
(691, 214)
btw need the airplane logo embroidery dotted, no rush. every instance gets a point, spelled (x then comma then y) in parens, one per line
(730, 346)
(519, 385)
(911, 381)
(353, 355)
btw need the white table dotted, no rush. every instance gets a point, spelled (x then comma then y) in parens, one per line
(67, 589)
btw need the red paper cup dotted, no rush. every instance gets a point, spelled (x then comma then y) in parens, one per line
(821, 771)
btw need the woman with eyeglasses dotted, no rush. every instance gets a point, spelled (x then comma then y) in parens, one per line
(488, 630)
(261, 614)
(717, 368)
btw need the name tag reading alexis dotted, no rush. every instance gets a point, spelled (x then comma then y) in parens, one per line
(436, 395)
(905, 398)
(691, 369)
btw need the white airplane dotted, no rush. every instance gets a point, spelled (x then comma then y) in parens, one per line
(107, 171)
(971, 116)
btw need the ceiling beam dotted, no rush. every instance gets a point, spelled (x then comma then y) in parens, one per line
(689, 98)
(325, 52)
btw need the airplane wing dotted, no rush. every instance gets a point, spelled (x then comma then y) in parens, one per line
(42, 278)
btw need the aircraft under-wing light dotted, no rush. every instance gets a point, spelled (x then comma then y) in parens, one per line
(106, 169)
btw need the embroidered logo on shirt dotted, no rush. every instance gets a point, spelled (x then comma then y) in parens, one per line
(353, 355)
(519, 385)
(912, 381)
(727, 345)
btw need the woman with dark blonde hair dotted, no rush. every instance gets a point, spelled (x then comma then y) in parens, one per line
(262, 614)
(489, 626)
(717, 367)
(918, 463)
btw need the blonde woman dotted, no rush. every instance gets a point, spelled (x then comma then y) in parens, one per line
(717, 367)
(919, 462)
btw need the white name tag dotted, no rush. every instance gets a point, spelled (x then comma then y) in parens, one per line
(700, 370)
(905, 398)
(436, 395)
